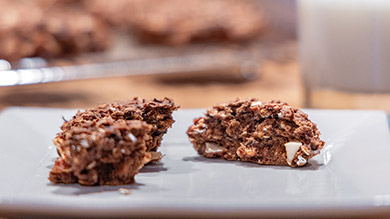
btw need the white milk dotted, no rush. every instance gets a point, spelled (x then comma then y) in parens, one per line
(345, 45)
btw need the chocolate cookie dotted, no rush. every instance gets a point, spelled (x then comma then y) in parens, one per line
(107, 145)
(175, 22)
(272, 133)
(31, 28)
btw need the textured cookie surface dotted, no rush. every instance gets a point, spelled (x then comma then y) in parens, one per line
(107, 145)
(273, 133)
(104, 152)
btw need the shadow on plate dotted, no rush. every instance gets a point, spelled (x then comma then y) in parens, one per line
(312, 164)
(76, 189)
(153, 168)
(205, 159)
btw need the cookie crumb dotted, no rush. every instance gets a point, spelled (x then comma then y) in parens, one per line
(124, 191)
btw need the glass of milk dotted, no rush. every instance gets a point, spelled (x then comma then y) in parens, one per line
(344, 49)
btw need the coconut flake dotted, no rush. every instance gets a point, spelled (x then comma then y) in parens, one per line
(91, 165)
(257, 103)
(132, 137)
(124, 191)
(200, 131)
(213, 148)
(291, 149)
(301, 161)
(84, 143)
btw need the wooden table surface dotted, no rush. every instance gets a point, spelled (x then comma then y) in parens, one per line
(276, 81)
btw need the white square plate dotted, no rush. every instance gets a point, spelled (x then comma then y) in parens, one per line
(350, 177)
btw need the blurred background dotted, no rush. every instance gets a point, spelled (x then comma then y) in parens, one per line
(80, 53)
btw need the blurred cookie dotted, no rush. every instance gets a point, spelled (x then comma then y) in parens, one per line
(29, 28)
(176, 22)
(17, 34)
